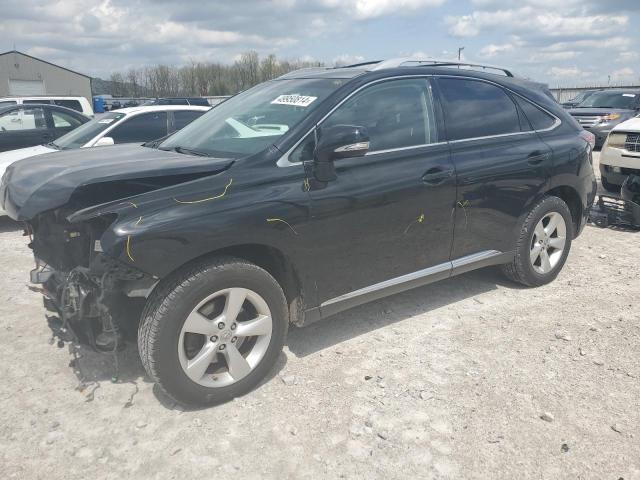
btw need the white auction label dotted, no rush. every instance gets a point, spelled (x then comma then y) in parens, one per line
(294, 100)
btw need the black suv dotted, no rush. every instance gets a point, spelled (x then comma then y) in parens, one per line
(297, 199)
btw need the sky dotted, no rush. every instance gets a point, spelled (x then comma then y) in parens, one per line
(559, 42)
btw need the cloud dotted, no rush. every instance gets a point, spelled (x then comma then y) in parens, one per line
(493, 50)
(530, 19)
(347, 59)
(623, 72)
(565, 72)
(135, 33)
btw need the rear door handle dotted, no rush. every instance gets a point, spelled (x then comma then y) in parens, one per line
(537, 157)
(437, 175)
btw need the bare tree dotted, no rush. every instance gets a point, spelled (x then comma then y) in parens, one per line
(203, 79)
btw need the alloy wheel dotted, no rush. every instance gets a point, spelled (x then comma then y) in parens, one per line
(548, 242)
(225, 337)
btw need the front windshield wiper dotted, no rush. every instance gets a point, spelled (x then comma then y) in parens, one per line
(186, 151)
(53, 145)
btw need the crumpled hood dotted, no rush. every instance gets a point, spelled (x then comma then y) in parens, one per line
(45, 182)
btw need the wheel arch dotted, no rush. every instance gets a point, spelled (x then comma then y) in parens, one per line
(275, 262)
(571, 197)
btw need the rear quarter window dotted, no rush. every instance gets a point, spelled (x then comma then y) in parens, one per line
(539, 119)
(476, 109)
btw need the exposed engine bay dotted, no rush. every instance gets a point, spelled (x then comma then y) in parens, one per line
(92, 296)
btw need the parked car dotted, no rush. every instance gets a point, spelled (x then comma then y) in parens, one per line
(578, 99)
(631, 191)
(203, 102)
(605, 109)
(127, 125)
(79, 104)
(295, 200)
(26, 125)
(620, 156)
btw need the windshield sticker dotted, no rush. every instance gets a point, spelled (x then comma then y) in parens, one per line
(632, 95)
(294, 100)
(106, 120)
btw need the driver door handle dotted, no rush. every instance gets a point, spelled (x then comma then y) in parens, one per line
(437, 175)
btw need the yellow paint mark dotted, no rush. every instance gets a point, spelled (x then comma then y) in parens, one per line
(207, 199)
(420, 219)
(464, 206)
(138, 222)
(272, 220)
(128, 248)
(307, 187)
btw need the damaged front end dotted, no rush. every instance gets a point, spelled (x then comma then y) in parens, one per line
(78, 210)
(96, 299)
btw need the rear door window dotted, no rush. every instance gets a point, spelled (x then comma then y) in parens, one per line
(182, 118)
(28, 118)
(73, 104)
(141, 128)
(64, 120)
(476, 109)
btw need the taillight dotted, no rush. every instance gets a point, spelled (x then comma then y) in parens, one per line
(588, 137)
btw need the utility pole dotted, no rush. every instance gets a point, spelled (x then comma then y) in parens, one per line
(460, 49)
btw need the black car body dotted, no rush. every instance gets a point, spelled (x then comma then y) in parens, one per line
(605, 109)
(338, 213)
(34, 124)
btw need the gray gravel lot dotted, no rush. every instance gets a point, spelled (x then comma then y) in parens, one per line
(446, 381)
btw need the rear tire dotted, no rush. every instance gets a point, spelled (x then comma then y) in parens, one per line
(543, 244)
(213, 330)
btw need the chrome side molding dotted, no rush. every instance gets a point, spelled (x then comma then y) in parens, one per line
(469, 260)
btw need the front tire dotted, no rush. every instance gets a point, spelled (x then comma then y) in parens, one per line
(543, 244)
(212, 331)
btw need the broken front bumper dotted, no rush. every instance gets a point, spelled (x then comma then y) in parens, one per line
(615, 211)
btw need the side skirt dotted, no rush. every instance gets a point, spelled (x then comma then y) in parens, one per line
(406, 282)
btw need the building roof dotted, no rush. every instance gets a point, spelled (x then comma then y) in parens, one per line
(44, 61)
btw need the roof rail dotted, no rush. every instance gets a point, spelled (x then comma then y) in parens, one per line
(432, 62)
(361, 64)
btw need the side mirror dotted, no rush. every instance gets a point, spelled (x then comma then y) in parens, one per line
(104, 142)
(334, 143)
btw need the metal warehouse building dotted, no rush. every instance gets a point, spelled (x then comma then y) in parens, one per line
(22, 74)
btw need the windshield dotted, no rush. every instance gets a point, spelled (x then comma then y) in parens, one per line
(251, 121)
(581, 97)
(610, 100)
(81, 135)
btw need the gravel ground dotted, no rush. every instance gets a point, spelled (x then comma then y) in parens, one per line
(469, 378)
